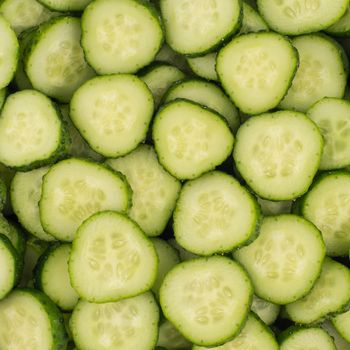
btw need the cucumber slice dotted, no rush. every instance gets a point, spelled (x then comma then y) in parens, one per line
(52, 277)
(194, 27)
(330, 294)
(252, 21)
(130, 324)
(297, 338)
(190, 140)
(31, 131)
(260, 65)
(322, 72)
(66, 5)
(154, 191)
(112, 113)
(170, 339)
(278, 154)
(204, 66)
(30, 320)
(332, 116)
(215, 214)
(120, 36)
(267, 312)
(54, 60)
(207, 299)
(342, 324)
(342, 26)
(285, 260)
(327, 205)
(73, 190)
(301, 16)
(254, 335)
(111, 259)
(339, 342)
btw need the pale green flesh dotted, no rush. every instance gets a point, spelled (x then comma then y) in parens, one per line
(254, 336)
(339, 342)
(252, 21)
(285, 260)
(333, 118)
(204, 66)
(154, 191)
(170, 338)
(342, 325)
(267, 312)
(321, 73)
(66, 5)
(207, 300)
(214, 214)
(128, 324)
(111, 259)
(327, 205)
(274, 207)
(7, 271)
(330, 294)
(341, 27)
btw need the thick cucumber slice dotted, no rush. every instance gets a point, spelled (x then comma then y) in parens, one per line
(112, 113)
(154, 191)
(206, 299)
(206, 94)
(296, 338)
(327, 205)
(260, 65)
(339, 342)
(130, 324)
(301, 16)
(252, 21)
(190, 139)
(342, 325)
(285, 260)
(267, 312)
(254, 335)
(342, 26)
(25, 196)
(214, 214)
(332, 116)
(73, 190)
(330, 294)
(66, 5)
(31, 131)
(170, 339)
(30, 320)
(111, 259)
(194, 27)
(322, 72)
(54, 60)
(52, 277)
(159, 77)
(278, 154)
(204, 66)
(120, 36)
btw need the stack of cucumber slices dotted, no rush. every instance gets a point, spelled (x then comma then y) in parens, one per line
(174, 175)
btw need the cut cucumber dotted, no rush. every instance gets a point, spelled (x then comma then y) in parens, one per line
(170, 339)
(66, 5)
(73, 190)
(260, 65)
(278, 154)
(342, 324)
(204, 66)
(285, 260)
(112, 113)
(189, 139)
(342, 26)
(339, 342)
(252, 21)
(267, 312)
(207, 299)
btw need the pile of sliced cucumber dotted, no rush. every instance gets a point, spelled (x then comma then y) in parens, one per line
(174, 175)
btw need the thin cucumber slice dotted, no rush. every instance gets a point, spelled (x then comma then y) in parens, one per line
(9, 53)
(285, 260)
(330, 294)
(73, 190)
(332, 116)
(327, 205)
(30, 320)
(339, 342)
(207, 94)
(111, 259)
(260, 65)
(130, 324)
(267, 312)
(274, 207)
(204, 66)
(120, 36)
(214, 214)
(342, 26)
(207, 299)
(189, 139)
(321, 73)
(254, 335)
(342, 324)
(54, 60)
(297, 338)
(159, 77)
(252, 21)
(52, 277)
(169, 338)
(25, 196)
(301, 16)
(154, 191)
(112, 113)
(194, 27)
(31, 131)
(66, 5)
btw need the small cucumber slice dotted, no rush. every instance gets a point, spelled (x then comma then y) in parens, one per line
(267, 312)
(204, 66)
